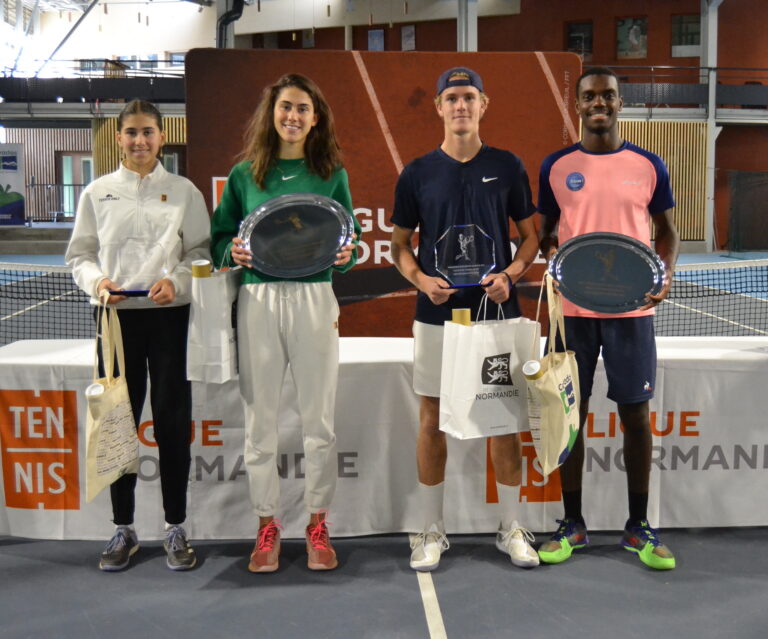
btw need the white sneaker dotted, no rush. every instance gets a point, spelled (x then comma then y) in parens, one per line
(516, 542)
(427, 546)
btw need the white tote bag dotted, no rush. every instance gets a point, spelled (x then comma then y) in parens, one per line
(212, 339)
(482, 387)
(553, 392)
(111, 442)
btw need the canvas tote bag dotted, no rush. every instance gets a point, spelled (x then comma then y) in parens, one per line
(553, 385)
(111, 444)
(212, 338)
(482, 387)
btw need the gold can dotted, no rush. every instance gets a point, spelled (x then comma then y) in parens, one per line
(201, 268)
(462, 316)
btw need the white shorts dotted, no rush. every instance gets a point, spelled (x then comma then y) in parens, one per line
(427, 358)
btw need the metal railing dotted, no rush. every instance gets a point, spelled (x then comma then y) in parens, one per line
(162, 80)
(670, 86)
(92, 89)
(52, 202)
(100, 68)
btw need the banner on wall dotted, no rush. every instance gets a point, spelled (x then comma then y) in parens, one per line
(385, 117)
(12, 184)
(710, 451)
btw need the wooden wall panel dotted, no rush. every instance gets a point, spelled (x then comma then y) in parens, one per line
(40, 151)
(682, 146)
(40, 147)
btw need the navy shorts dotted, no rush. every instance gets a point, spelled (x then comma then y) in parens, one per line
(629, 354)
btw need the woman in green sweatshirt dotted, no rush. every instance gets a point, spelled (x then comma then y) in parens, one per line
(290, 147)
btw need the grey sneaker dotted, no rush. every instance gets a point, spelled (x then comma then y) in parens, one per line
(181, 556)
(117, 554)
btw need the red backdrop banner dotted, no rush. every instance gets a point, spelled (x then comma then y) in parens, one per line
(383, 104)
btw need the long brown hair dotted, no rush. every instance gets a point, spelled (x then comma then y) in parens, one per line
(322, 153)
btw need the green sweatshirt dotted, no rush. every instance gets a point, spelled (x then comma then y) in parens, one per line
(242, 195)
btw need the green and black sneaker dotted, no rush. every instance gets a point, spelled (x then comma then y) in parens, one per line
(570, 536)
(644, 540)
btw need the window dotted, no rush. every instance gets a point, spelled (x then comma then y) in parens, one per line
(73, 170)
(149, 61)
(27, 16)
(176, 59)
(579, 39)
(171, 163)
(376, 40)
(130, 61)
(686, 36)
(9, 12)
(86, 170)
(90, 66)
(175, 158)
(408, 37)
(270, 40)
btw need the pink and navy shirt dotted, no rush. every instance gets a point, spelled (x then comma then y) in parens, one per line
(614, 192)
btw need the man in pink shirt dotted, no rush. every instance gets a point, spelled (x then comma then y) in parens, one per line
(606, 184)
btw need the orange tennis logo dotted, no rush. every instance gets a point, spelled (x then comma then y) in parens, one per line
(218, 184)
(38, 434)
(535, 487)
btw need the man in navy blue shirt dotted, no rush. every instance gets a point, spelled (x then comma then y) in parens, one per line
(462, 182)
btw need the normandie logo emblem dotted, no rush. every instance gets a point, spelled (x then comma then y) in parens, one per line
(496, 370)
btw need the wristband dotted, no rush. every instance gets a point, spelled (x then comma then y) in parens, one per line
(509, 279)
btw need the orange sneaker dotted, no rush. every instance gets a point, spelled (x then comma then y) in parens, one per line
(322, 556)
(264, 557)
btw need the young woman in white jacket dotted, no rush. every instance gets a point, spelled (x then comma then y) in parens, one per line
(138, 229)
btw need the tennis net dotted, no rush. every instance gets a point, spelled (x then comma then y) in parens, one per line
(42, 302)
(718, 299)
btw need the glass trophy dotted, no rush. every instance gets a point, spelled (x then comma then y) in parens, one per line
(464, 255)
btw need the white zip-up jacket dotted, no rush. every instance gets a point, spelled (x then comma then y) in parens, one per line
(136, 231)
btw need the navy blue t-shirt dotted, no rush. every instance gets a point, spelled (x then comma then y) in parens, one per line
(436, 192)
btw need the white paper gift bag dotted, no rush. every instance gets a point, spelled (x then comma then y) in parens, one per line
(482, 387)
(212, 340)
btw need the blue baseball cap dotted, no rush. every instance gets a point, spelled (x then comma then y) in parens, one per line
(459, 77)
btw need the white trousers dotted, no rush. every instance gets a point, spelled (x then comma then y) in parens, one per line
(280, 323)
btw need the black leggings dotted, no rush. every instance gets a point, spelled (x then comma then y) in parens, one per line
(155, 341)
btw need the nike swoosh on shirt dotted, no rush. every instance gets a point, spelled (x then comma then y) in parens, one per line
(288, 177)
(485, 179)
